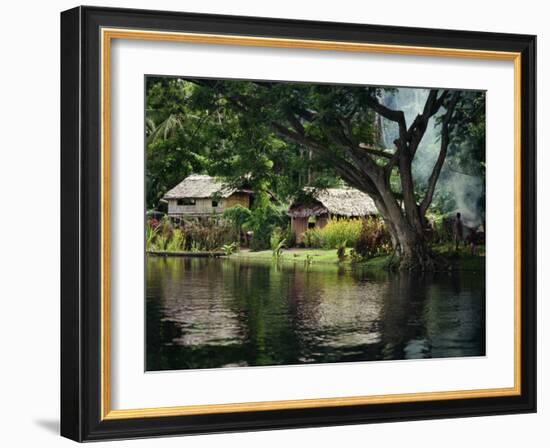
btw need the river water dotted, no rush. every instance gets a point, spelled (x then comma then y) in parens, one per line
(211, 313)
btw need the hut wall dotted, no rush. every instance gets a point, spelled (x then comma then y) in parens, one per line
(203, 206)
(298, 227)
(321, 222)
(237, 198)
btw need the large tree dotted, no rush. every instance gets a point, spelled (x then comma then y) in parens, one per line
(340, 125)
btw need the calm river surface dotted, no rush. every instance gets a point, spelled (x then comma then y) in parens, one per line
(209, 313)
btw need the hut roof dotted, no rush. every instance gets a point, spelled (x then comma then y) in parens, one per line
(199, 186)
(337, 201)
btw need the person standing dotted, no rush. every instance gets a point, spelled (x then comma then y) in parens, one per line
(458, 230)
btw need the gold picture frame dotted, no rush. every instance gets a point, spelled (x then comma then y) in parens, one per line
(117, 25)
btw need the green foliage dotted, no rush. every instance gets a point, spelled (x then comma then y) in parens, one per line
(150, 235)
(237, 215)
(354, 256)
(160, 244)
(373, 240)
(334, 234)
(208, 235)
(311, 238)
(276, 238)
(173, 148)
(195, 246)
(467, 154)
(158, 234)
(278, 249)
(441, 228)
(265, 217)
(176, 242)
(197, 126)
(281, 137)
(341, 252)
(277, 242)
(192, 236)
(230, 249)
(461, 185)
(289, 236)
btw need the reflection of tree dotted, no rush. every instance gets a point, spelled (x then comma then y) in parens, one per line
(339, 314)
(157, 329)
(260, 296)
(211, 313)
(434, 316)
(402, 309)
(455, 316)
(188, 324)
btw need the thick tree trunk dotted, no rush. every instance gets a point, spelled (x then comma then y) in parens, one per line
(415, 254)
(409, 242)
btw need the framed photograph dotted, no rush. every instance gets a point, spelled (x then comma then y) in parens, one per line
(276, 224)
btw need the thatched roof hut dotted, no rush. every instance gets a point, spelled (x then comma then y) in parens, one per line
(200, 195)
(346, 202)
(199, 186)
(320, 205)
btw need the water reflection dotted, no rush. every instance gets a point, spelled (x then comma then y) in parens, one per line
(205, 313)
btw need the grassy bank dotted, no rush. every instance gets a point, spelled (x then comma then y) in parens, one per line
(313, 256)
(292, 255)
(464, 260)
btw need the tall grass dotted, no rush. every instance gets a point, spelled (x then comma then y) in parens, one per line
(176, 242)
(192, 236)
(151, 232)
(337, 233)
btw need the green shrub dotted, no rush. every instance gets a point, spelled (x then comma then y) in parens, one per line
(229, 249)
(336, 233)
(263, 220)
(208, 235)
(237, 216)
(195, 247)
(341, 252)
(165, 227)
(176, 242)
(276, 238)
(277, 242)
(440, 229)
(373, 240)
(290, 237)
(151, 232)
(312, 238)
(160, 243)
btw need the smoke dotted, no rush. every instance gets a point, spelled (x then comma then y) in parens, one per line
(455, 191)
(468, 195)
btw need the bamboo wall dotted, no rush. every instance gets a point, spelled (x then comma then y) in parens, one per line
(298, 227)
(203, 206)
(321, 222)
(237, 198)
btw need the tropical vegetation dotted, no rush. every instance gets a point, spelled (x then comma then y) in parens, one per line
(284, 136)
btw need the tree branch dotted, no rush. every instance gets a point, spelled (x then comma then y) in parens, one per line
(434, 176)
(394, 115)
(418, 127)
(375, 152)
(433, 103)
(350, 173)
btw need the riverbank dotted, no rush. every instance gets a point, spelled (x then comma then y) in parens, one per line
(464, 260)
(197, 254)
